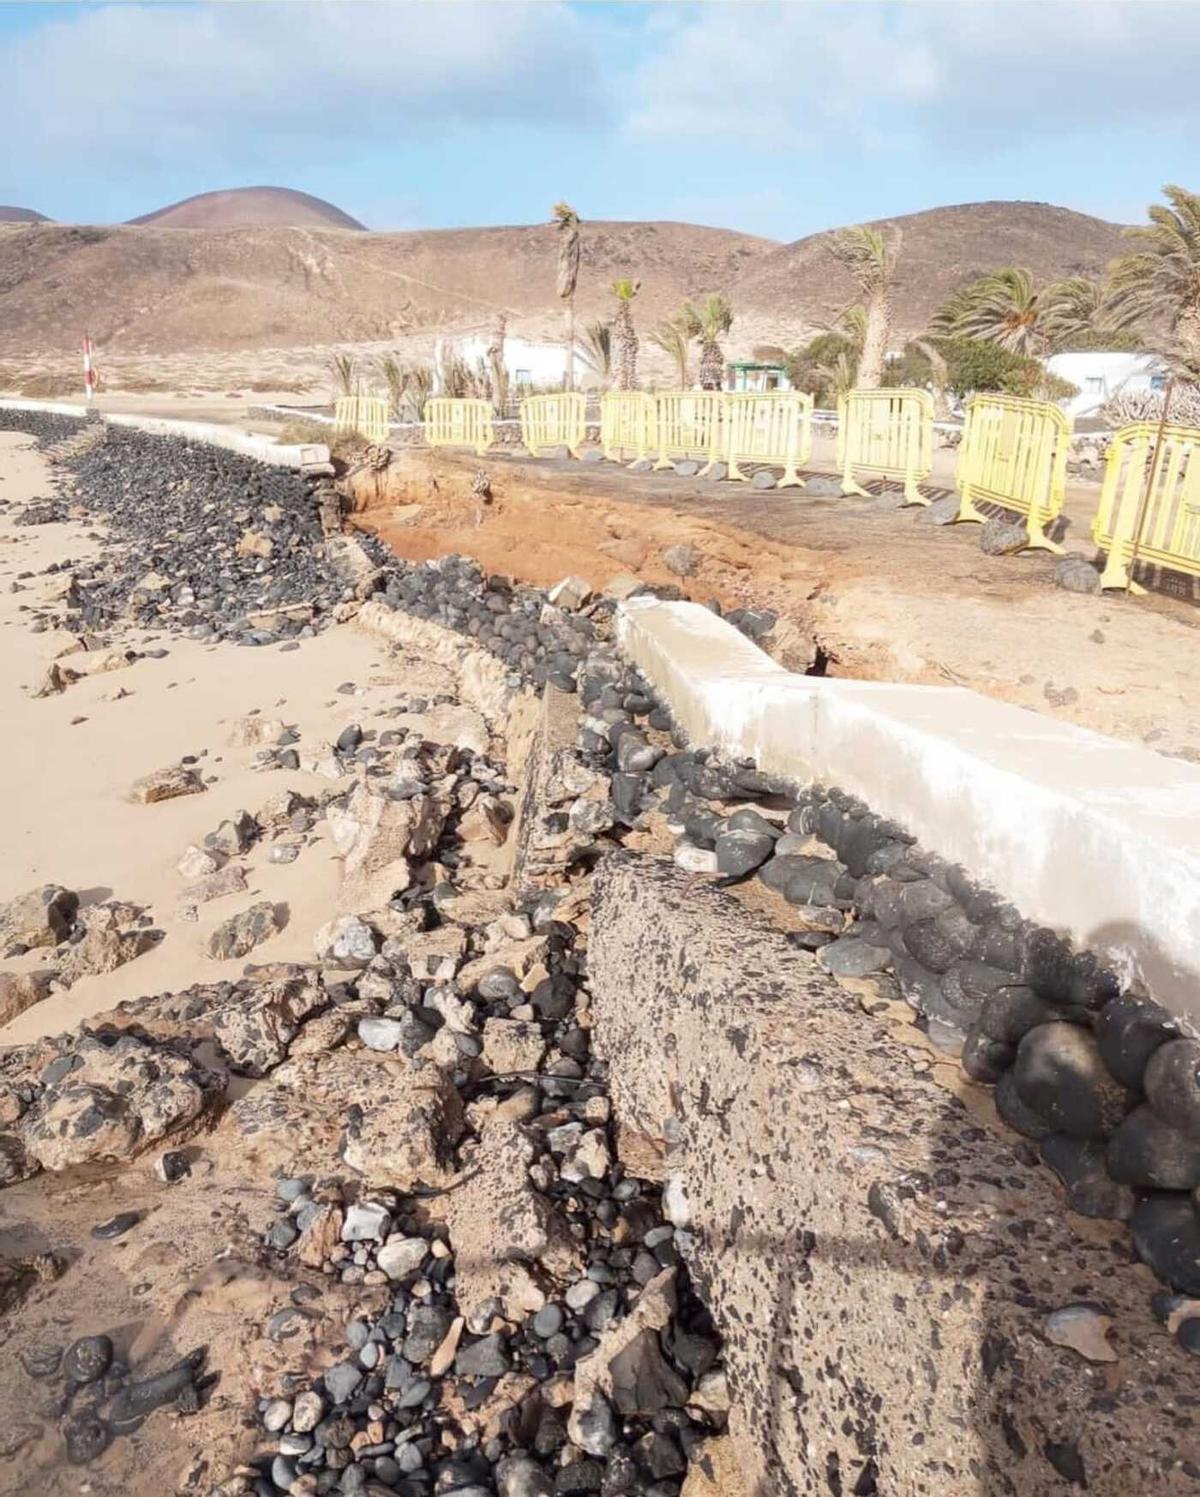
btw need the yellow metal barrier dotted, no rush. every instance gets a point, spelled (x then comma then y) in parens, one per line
(690, 425)
(459, 423)
(554, 421)
(1150, 502)
(889, 431)
(366, 415)
(1014, 453)
(627, 425)
(774, 428)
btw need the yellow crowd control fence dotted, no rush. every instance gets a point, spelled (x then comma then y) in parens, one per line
(366, 415)
(1150, 502)
(1014, 454)
(458, 423)
(889, 432)
(554, 421)
(627, 426)
(772, 428)
(690, 425)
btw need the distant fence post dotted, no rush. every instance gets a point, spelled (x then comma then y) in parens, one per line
(890, 432)
(773, 428)
(554, 421)
(459, 423)
(1014, 454)
(1170, 520)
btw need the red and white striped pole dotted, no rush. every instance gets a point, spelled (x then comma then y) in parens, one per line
(89, 374)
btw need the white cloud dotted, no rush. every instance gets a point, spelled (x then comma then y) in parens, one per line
(159, 85)
(960, 75)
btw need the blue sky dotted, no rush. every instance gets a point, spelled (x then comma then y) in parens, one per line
(775, 119)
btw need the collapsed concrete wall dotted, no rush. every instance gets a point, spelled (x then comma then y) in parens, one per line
(899, 1290)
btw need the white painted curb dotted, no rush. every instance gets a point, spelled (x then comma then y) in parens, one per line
(1095, 838)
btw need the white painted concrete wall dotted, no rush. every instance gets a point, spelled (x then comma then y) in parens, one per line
(262, 449)
(1095, 838)
(1101, 374)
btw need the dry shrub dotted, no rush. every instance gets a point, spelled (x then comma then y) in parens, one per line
(296, 433)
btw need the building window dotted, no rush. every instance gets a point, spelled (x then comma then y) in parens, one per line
(523, 377)
(1094, 384)
(1158, 381)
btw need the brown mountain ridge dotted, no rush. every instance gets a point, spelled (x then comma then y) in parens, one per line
(250, 207)
(154, 289)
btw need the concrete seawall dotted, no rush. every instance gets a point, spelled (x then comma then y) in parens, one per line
(1092, 837)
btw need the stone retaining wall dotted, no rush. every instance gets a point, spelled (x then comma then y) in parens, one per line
(890, 1278)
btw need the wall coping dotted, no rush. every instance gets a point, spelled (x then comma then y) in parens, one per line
(1098, 839)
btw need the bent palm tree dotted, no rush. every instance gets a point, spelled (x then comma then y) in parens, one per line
(1072, 310)
(626, 334)
(1160, 281)
(1009, 309)
(871, 260)
(568, 274)
(673, 338)
(1005, 308)
(709, 323)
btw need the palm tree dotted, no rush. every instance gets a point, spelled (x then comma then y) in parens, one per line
(1073, 311)
(596, 350)
(344, 369)
(1160, 281)
(497, 368)
(674, 339)
(709, 323)
(841, 375)
(871, 260)
(626, 334)
(568, 274)
(393, 377)
(1006, 308)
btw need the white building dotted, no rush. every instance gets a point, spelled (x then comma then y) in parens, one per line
(1100, 375)
(528, 364)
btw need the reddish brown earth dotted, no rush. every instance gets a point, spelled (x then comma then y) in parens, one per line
(877, 592)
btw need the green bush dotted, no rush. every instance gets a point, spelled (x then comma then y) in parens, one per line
(813, 367)
(973, 365)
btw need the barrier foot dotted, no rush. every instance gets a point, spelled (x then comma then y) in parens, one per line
(967, 512)
(663, 462)
(1040, 541)
(791, 480)
(850, 487)
(575, 453)
(1116, 575)
(913, 495)
(736, 474)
